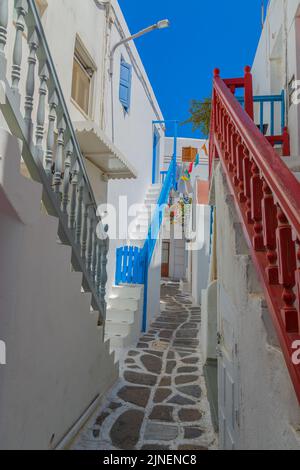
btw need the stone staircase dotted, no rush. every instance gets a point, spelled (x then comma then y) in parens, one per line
(52, 326)
(138, 235)
(125, 302)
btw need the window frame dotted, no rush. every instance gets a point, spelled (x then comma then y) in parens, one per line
(86, 63)
(126, 104)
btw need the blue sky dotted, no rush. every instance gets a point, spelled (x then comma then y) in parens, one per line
(203, 35)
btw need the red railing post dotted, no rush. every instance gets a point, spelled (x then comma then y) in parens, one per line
(249, 107)
(286, 152)
(298, 278)
(267, 197)
(270, 224)
(247, 173)
(240, 172)
(256, 207)
(287, 267)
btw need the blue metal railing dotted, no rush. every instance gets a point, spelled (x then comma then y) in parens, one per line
(268, 99)
(163, 175)
(132, 263)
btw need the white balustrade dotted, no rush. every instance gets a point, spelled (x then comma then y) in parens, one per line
(51, 151)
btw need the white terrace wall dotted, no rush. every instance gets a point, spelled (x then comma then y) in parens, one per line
(57, 362)
(180, 260)
(99, 28)
(200, 251)
(277, 61)
(269, 412)
(133, 131)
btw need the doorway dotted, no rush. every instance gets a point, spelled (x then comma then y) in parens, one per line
(165, 262)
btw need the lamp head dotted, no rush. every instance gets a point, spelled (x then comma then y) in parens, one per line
(162, 24)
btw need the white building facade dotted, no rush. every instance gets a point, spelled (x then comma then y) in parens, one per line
(258, 406)
(94, 135)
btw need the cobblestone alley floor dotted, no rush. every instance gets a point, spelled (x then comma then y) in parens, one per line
(159, 402)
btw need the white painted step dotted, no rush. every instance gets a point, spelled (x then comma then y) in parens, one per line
(122, 304)
(119, 342)
(121, 315)
(143, 216)
(127, 292)
(156, 186)
(113, 328)
(144, 212)
(150, 199)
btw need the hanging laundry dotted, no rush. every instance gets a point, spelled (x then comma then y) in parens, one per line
(204, 148)
(181, 186)
(189, 188)
(186, 176)
(197, 160)
(190, 170)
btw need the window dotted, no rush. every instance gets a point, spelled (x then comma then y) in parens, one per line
(82, 82)
(125, 84)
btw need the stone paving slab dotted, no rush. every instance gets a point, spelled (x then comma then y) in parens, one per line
(160, 401)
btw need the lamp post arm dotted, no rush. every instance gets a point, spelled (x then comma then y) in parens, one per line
(125, 41)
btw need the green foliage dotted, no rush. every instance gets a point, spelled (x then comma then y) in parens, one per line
(200, 111)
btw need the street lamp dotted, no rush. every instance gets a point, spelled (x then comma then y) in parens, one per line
(162, 24)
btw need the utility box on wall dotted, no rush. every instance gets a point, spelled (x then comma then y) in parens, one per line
(189, 154)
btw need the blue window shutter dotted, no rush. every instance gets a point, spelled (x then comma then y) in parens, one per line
(125, 84)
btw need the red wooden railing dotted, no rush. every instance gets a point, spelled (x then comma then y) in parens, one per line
(267, 199)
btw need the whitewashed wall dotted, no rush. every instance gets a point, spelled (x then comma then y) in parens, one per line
(57, 362)
(133, 133)
(268, 410)
(180, 261)
(200, 252)
(277, 58)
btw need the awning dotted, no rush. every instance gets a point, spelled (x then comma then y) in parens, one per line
(98, 149)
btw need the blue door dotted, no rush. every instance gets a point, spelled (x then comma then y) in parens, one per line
(156, 157)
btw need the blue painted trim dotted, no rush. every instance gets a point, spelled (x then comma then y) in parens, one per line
(163, 175)
(132, 264)
(125, 84)
(211, 229)
(145, 303)
(262, 117)
(272, 99)
(283, 110)
(155, 162)
(272, 118)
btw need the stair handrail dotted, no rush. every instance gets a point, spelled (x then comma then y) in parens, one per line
(67, 192)
(267, 199)
(279, 177)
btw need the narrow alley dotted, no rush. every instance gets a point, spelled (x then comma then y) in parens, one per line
(160, 401)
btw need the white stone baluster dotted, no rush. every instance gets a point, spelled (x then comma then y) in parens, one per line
(59, 161)
(72, 217)
(3, 36)
(103, 280)
(41, 111)
(66, 189)
(30, 82)
(53, 103)
(22, 10)
(95, 254)
(79, 212)
(99, 265)
(91, 219)
(86, 202)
